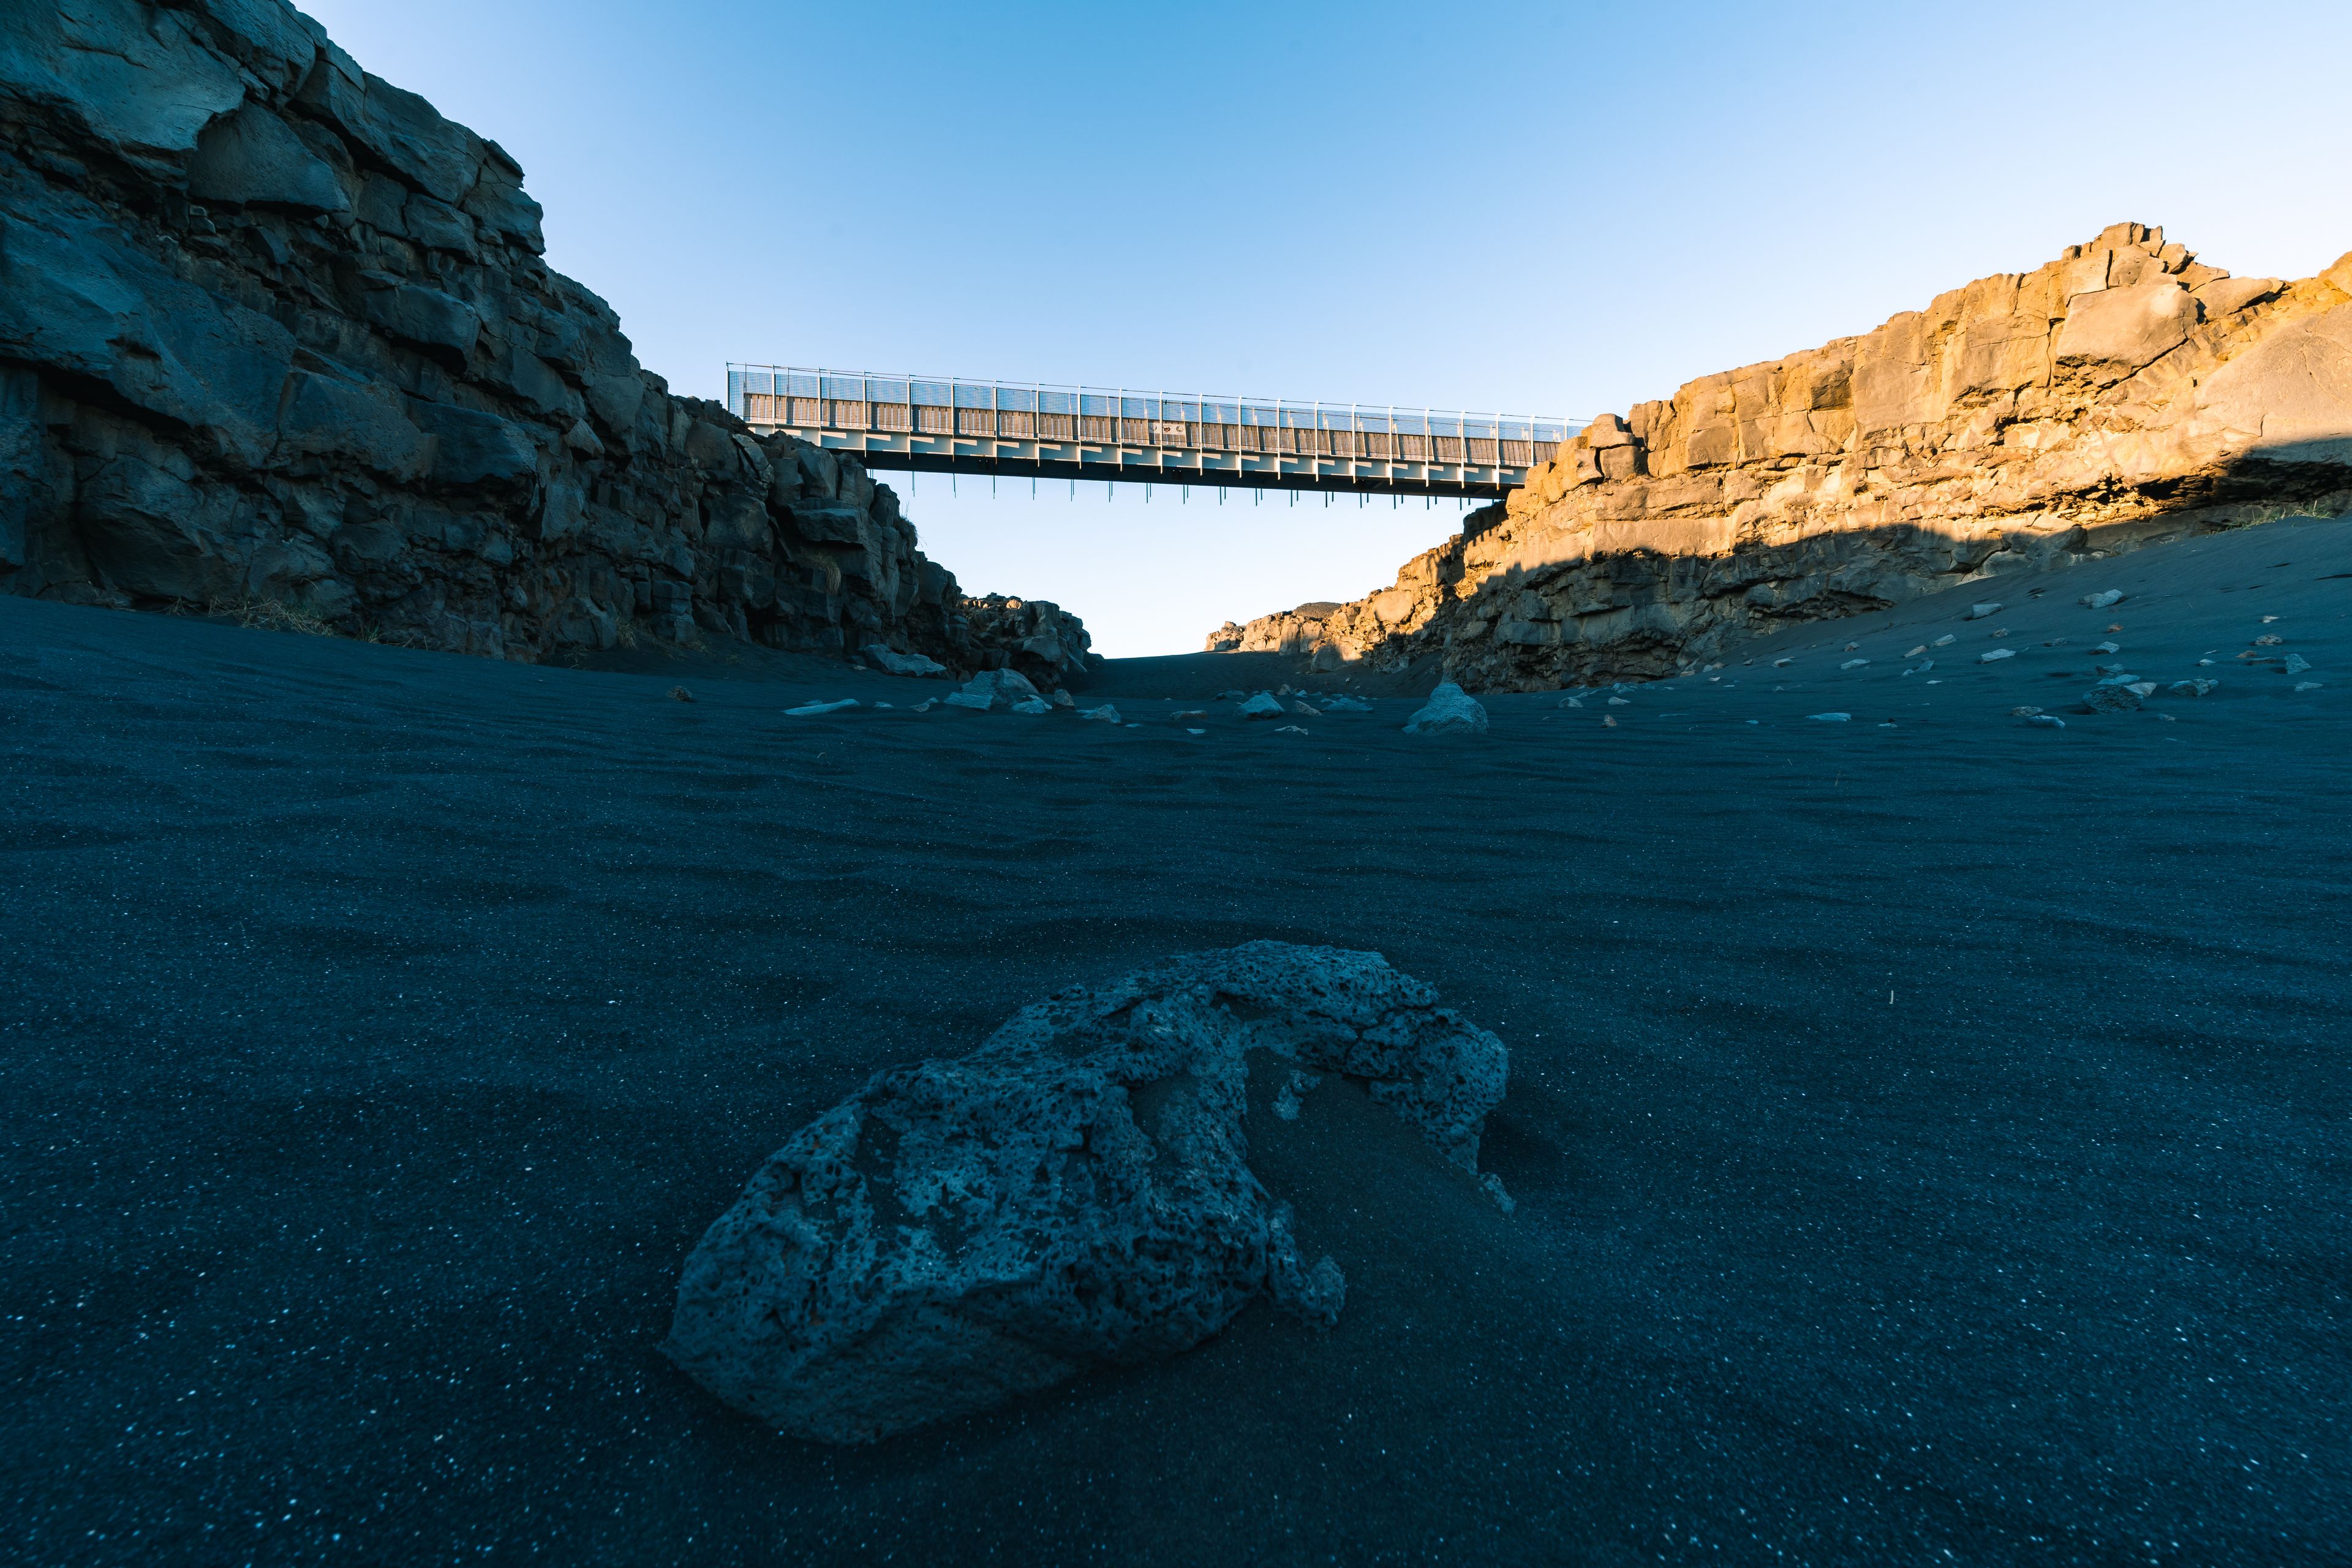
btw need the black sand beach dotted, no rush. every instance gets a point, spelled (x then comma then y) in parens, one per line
(1928, 1140)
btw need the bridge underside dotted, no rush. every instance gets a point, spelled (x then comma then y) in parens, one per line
(1046, 460)
(1005, 430)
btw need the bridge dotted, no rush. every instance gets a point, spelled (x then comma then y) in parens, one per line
(1026, 430)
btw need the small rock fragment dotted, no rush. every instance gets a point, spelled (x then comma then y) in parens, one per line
(1947, 640)
(1831, 718)
(2296, 664)
(2047, 722)
(1783, 663)
(993, 689)
(895, 663)
(1265, 705)
(1064, 700)
(1853, 664)
(1978, 612)
(2023, 713)
(680, 694)
(1033, 706)
(2111, 698)
(1449, 710)
(2309, 685)
(1346, 705)
(1996, 655)
(1916, 652)
(811, 710)
(2100, 600)
(1106, 714)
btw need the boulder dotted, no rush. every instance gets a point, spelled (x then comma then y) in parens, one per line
(1449, 710)
(995, 688)
(1265, 705)
(1074, 1193)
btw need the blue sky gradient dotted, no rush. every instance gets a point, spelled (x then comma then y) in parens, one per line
(1516, 207)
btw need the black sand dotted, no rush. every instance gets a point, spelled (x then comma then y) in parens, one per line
(1931, 1141)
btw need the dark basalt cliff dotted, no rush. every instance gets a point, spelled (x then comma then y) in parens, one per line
(275, 335)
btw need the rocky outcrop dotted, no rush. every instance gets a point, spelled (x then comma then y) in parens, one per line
(2120, 393)
(1041, 640)
(1075, 1193)
(274, 332)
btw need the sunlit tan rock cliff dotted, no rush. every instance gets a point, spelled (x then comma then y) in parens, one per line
(2123, 393)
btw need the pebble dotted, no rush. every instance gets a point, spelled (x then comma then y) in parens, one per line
(1978, 612)
(1853, 664)
(2100, 600)
(2309, 685)
(1829, 718)
(1106, 714)
(811, 710)
(1996, 653)
(1033, 705)
(1619, 703)
(2296, 664)
(1947, 640)
(2047, 722)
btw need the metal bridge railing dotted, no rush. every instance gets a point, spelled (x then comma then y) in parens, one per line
(926, 405)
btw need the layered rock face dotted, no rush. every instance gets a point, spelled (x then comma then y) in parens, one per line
(1075, 1193)
(2121, 393)
(273, 332)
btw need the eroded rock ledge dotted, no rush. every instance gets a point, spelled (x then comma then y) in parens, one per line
(275, 333)
(2121, 393)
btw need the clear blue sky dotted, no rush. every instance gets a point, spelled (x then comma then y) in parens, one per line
(1523, 207)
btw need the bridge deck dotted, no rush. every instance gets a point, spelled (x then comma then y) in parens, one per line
(943, 426)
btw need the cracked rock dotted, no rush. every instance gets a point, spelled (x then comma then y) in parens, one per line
(1074, 1193)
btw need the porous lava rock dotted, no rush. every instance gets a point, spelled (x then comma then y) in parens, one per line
(1075, 1193)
